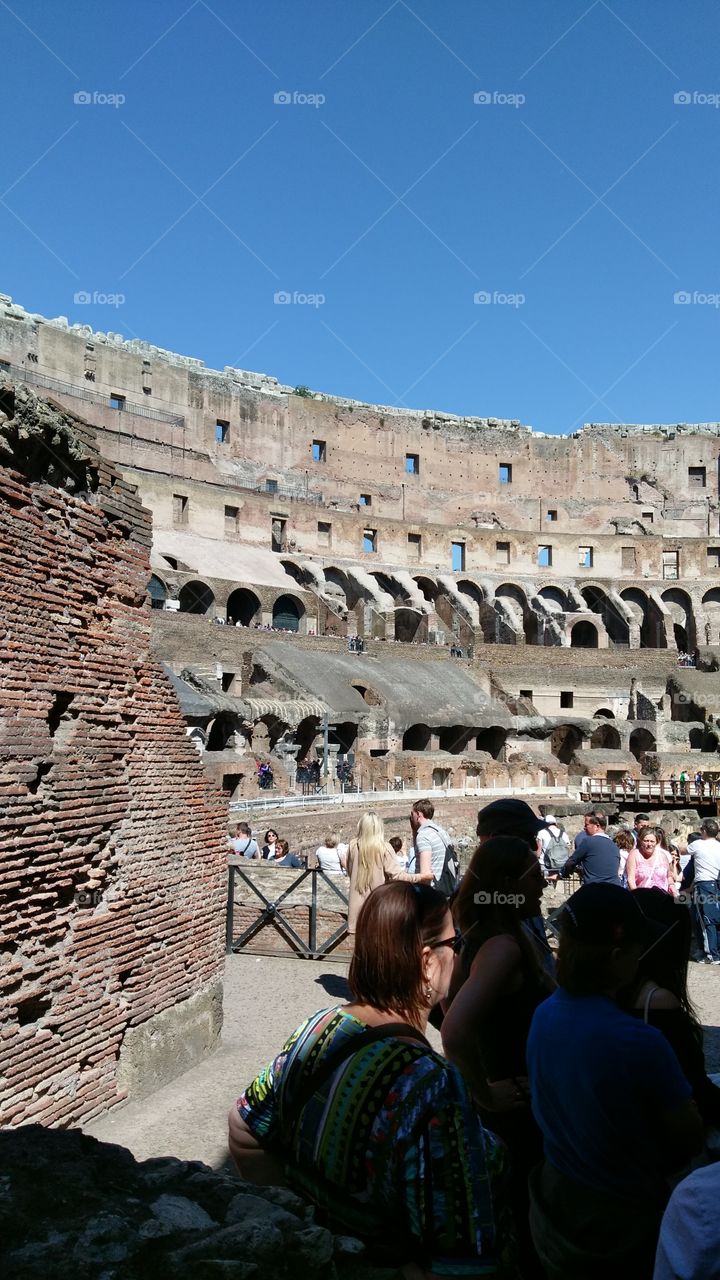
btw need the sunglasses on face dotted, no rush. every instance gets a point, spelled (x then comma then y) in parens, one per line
(453, 943)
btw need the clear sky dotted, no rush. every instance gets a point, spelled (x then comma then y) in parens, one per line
(577, 197)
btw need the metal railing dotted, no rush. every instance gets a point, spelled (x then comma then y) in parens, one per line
(93, 397)
(342, 798)
(269, 913)
(679, 793)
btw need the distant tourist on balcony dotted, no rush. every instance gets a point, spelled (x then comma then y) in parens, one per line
(674, 785)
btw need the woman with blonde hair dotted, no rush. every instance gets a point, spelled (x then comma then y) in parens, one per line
(371, 862)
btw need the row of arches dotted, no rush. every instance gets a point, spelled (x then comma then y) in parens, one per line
(243, 605)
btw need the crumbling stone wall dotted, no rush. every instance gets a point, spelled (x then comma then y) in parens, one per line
(112, 867)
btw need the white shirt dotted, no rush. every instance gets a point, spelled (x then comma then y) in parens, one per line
(707, 859)
(546, 834)
(329, 859)
(689, 1244)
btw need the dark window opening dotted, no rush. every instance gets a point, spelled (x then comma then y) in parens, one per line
(566, 699)
(697, 477)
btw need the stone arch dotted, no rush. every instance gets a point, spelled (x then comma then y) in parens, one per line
(243, 606)
(196, 597)
(344, 736)
(711, 605)
(603, 713)
(338, 579)
(428, 588)
(473, 592)
(492, 740)
(455, 738)
(599, 602)
(584, 635)
(555, 598)
(648, 617)
(295, 571)
(408, 623)
(157, 592)
(679, 606)
(510, 599)
(416, 738)
(287, 612)
(222, 732)
(368, 695)
(642, 740)
(605, 737)
(565, 741)
(306, 735)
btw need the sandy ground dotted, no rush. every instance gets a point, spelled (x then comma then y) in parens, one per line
(265, 999)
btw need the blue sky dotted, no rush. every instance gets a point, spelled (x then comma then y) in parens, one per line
(577, 198)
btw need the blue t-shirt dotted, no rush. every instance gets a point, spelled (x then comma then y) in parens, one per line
(600, 1080)
(598, 859)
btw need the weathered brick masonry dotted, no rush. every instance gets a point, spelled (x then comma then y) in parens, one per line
(112, 871)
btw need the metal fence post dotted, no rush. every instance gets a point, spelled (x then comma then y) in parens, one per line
(312, 939)
(230, 910)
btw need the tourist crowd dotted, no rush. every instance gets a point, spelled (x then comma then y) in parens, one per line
(568, 1128)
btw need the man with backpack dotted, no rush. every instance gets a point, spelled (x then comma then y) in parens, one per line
(554, 845)
(432, 849)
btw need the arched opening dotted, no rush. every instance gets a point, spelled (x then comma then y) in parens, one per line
(243, 606)
(491, 740)
(295, 571)
(565, 741)
(604, 713)
(555, 598)
(615, 624)
(338, 584)
(428, 588)
(513, 614)
(306, 735)
(584, 636)
(222, 733)
(157, 592)
(455, 738)
(196, 597)
(368, 695)
(605, 737)
(286, 613)
(711, 605)
(474, 593)
(391, 587)
(408, 625)
(416, 738)
(679, 606)
(344, 736)
(642, 740)
(647, 616)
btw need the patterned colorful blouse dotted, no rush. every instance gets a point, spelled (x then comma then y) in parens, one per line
(389, 1147)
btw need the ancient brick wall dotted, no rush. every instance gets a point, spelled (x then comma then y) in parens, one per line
(112, 871)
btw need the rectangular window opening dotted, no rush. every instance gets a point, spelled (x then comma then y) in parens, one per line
(566, 699)
(271, 486)
(457, 553)
(181, 508)
(412, 464)
(319, 451)
(505, 472)
(414, 545)
(671, 564)
(551, 517)
(697, 477)
(222, 431)
(713, 554)
(116, 401)
(324, 533)
(278, 534)
(544, 557)
(628, 557)
(232, 520)
(365, 500)
(585, 557)
(369, 543)
(228, 678)
(502, 552)
(526, 693)
(648, 516)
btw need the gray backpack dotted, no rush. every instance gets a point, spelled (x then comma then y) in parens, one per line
(557, 852)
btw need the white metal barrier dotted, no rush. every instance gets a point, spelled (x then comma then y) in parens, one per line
(341, 799)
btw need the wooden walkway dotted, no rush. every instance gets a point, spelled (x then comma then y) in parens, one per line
(645, 793)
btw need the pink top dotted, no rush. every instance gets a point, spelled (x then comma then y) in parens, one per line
(653, 873)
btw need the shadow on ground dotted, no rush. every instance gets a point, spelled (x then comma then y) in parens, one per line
(335, 985)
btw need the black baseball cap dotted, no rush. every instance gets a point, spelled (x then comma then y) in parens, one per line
(509, 817)
(607, 915)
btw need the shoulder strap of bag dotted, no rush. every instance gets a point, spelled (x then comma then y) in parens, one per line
(316, 1079)
(646, 1006)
